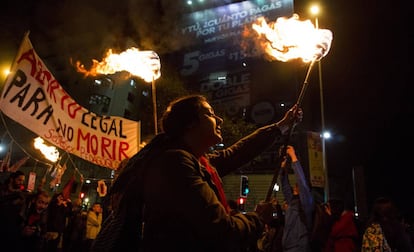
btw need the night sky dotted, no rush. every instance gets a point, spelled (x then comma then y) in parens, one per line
(366, 75)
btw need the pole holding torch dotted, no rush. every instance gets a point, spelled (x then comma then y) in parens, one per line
(282, 153)
(154, 66)
(305, 84)
(154, 104)
(290, 38)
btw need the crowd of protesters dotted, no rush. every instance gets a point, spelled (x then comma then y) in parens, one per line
(42, 221)
(200, 217)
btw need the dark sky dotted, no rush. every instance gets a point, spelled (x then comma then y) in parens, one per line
(366, 75)
(367, 100)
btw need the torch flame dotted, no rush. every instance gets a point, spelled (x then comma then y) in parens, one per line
(50, 152)
(144, 64)
(288, 39)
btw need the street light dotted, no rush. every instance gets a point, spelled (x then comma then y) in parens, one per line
(315, 12)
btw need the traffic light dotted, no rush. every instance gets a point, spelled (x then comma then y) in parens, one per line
(242, 203)
(244, 186)
(84, 191)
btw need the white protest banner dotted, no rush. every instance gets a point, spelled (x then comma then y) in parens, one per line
(34, 98)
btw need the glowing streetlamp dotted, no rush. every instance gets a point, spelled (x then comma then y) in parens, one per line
(315, 10)
(6, 72)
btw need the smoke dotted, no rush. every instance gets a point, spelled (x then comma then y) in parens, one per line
(84, 30)
(156, 24)
(68, 31)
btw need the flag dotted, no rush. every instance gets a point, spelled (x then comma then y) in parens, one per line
(53, 171)
(6, 162)
(18, 164)
(32, 182)
(60, 170)
(60, 173)
(67, 189)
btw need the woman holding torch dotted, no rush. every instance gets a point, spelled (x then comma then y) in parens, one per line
(170, 196)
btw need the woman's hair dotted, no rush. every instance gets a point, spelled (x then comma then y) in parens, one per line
(337, 207)
(13, 176)
(16, 174)
(54, 199)
(42, 193)
(181, 114)
(384, 209)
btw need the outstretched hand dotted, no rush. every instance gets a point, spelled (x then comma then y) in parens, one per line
(295, 114)
(292, 117)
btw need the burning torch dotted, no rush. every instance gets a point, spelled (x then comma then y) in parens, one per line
(287, 39)
(143, 64)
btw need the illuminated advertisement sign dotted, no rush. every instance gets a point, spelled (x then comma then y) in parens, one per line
(224, 22)
(217, 64)
(217, 33)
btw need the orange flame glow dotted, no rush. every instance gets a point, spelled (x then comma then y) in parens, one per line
(288, 39)
(144, 64)
(50, 152)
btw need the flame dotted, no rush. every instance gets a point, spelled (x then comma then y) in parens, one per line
(144, 64)
(289, 38)
(50, 152)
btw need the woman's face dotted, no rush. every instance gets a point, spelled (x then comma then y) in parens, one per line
(209, 128)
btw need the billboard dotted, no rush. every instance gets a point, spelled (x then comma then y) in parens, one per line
(228, 21)
(217, 64)
(217, 33)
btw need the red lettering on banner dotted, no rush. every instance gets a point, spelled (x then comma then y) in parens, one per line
(51, 89)
(58, 140)
(106, 144)
(39, 72)
(45, 78)
(123, 146)
(94, 144)
(73, 107)
(113, 149)
(106, 162)
(62, 101)
(31, 58)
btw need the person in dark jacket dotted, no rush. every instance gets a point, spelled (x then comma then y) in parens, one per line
(35, 224)
(12, 207)
(174, 184)
(59, 211)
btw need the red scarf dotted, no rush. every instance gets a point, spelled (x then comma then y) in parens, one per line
(33, 218)
(216, 181)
